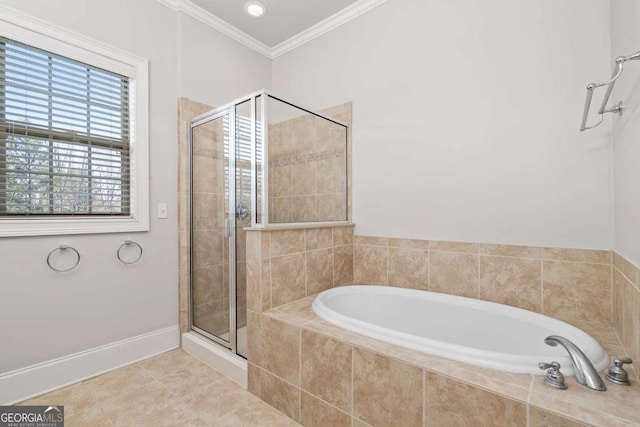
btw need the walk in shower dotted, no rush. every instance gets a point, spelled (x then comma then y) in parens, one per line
(259, 161)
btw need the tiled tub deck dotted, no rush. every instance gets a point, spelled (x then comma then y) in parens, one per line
(322, 375)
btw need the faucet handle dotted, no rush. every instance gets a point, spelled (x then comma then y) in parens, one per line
(554, 377)
(616, 373)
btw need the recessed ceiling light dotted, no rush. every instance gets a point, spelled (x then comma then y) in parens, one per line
(255, 9)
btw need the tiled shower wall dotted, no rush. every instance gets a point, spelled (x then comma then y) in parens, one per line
(307, 168)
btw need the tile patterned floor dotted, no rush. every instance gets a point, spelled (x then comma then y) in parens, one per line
(172, 389)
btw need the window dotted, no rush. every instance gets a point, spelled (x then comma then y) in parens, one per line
(64, 135)
(73, 133)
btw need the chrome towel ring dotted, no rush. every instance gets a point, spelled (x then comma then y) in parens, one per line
(125, 244)
(63, 248)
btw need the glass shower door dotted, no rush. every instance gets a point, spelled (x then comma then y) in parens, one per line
(213, 267)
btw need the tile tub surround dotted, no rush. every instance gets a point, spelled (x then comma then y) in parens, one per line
(320, 375)
(626, 308)
(286, 265)
(569, 284)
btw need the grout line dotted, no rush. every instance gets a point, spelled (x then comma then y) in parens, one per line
(424, 397)
(528, 417)
(352, 374)
(478, 283)
(541, 286)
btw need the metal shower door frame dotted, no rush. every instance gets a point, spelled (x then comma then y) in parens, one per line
(229, 223)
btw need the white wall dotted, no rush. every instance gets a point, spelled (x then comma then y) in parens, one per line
(44, 315)
(625, 15)
(466, 118)
(216, 70)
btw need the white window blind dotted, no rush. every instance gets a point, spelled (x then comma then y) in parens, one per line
(64, 136)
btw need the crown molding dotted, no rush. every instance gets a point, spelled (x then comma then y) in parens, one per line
(208, 18)
(342, 17)
(332, 22)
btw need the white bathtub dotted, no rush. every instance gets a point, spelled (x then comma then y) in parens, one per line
(478, 332)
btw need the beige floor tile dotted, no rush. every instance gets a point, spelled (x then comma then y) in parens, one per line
(117, 382)
(168, 363)
(94, 417)
(190, 378)
(74, 398)
(149, 397)
(256, 414)
(218, 399)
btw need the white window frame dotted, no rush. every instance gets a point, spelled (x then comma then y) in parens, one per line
(55, 39)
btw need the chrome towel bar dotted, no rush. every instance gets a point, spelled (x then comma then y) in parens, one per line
(609, 83)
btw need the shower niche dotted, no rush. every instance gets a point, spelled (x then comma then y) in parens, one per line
(259, 161)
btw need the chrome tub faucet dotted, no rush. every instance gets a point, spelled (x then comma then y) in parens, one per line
(586, 373)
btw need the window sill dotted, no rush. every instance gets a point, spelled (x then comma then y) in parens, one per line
(52, 227)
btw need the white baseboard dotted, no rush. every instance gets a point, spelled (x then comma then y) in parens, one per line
(232, 366)
(25, 383)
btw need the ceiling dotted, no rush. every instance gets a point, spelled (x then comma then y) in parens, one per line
(284, 18)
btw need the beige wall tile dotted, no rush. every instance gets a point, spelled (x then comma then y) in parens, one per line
(280, 349)
(285, 242)
(280, 181)
(318, 238)
(342, 235)
(332, 175)
(280, 209)
(619, 284)
(207, 284)
(316, 413)
(319, 266)
(409, 268)
(208, 248)
(207, 175)
(303, 179)
(208, 211)
(512, 281)
(342, 265)
(332, 207)
(303, 208)
(370, 264)
(454, 273)
(280, 394)
(254, 286)
(371, 241)
(266, 244)
(287, 278)
(577, 291)
(577, 255)
(409, 243)
(253, 380)
(254, 337)
(473, 406)
(265, 284)
(540, 418)
(631, 329)
(628, 269)
(386, 391)
(254, 244)
(464, 247)
(511, 251)
(326, 369)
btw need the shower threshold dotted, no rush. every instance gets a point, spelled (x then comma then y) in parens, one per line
(218, 357)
